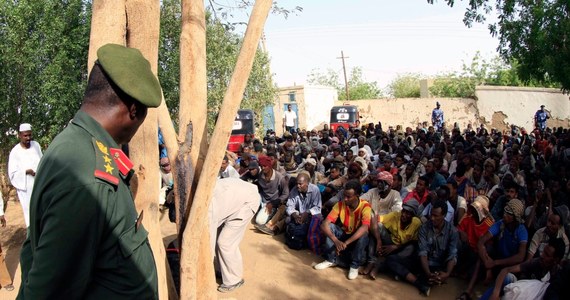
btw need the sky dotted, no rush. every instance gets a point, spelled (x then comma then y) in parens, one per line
(383, 37)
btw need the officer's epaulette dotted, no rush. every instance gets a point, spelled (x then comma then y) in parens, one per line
(105, 167)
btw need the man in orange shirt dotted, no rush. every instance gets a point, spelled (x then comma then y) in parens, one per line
(474, 225)
(352, 238)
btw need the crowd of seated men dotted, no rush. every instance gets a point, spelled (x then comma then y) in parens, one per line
(418, 204)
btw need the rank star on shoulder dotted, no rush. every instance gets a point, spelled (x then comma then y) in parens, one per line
(107, 159)
(108, 168)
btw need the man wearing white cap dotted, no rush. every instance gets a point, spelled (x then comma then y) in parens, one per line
(22, 166)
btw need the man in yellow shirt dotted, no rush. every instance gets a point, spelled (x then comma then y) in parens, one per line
(396, 234)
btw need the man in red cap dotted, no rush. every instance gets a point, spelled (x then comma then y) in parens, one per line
(274, 189)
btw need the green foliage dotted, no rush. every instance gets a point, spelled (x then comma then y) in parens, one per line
(533, 33)
(358, 87)
(405, 86)
(43, 65)
(222, 48)
(480, 72)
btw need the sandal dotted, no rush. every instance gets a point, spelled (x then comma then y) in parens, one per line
(9, 287)
(464, 296)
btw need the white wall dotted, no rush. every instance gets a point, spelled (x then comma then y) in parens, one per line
(318, 102)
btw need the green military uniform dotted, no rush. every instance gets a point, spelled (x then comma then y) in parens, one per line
(84, 240)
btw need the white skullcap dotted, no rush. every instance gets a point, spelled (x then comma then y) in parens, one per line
(25, 127)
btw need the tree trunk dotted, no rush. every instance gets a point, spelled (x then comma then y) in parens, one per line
(135, 23)
(108, 25)
(198, 260)
(193, 96)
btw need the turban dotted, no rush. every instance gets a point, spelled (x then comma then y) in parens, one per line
(386, 176)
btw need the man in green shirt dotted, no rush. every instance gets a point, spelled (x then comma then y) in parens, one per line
(86, 240)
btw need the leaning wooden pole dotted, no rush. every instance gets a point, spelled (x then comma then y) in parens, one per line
(197, 274)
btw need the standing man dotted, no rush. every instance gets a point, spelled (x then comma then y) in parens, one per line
(86, 240)
(540, 118)
(437, 117)
(234, 203)
(22, 167)
(289, 119)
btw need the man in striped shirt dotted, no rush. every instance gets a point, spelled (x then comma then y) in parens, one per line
(350, 238)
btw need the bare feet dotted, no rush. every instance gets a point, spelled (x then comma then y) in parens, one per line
(373, 273)
(366, 270)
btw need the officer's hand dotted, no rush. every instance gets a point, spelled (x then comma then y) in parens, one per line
(3, 221)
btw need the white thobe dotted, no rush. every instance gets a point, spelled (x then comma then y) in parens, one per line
(234, 202)
(20, 160)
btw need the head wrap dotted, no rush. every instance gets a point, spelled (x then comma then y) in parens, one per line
(386, 176)
(481, 205)
(311, 161)
(516, 208)
(265, 161)
(362, 163)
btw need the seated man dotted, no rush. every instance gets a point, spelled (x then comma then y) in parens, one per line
(396, 236)
(536, 268)
(554, 229)
(304, 202)
(437, 249)
(474, 224)
(274, 189)
(441, 194)
(383, 198)
(420, 192)
(227, 170)
(509, 240)
(352, 238)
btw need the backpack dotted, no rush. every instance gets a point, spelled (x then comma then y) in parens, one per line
(296, 235)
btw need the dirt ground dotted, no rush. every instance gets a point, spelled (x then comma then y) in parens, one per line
(272, 271)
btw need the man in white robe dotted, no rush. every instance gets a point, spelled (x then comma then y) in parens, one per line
(22, 166)
(234, 202)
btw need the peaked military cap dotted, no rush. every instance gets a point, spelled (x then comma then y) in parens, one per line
(131, 72)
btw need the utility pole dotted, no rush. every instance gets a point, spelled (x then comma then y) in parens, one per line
(344, 69)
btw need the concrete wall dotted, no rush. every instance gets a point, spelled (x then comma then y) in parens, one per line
(497, 107)
(502, 106)
(411, 111)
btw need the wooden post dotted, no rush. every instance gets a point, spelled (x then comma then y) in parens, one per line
(108, 19)
(193, 97)
(198, 260)
(143, 33)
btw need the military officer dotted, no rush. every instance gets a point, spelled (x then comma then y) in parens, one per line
(86, 240)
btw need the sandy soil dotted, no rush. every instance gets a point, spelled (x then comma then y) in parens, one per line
(272, 271)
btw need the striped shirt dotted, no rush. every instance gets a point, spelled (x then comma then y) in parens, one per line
(351, 220)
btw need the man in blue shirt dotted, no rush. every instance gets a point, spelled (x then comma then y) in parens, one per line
(540, 118)
(510, 238)
(437, 117)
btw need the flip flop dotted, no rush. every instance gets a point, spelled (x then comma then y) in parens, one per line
(464, 296)
(9, 287)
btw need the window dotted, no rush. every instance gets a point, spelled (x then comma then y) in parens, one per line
(292, 97)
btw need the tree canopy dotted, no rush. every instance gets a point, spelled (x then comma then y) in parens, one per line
(43, 66)
(358, 87)
(222, 48)
(533, 33)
